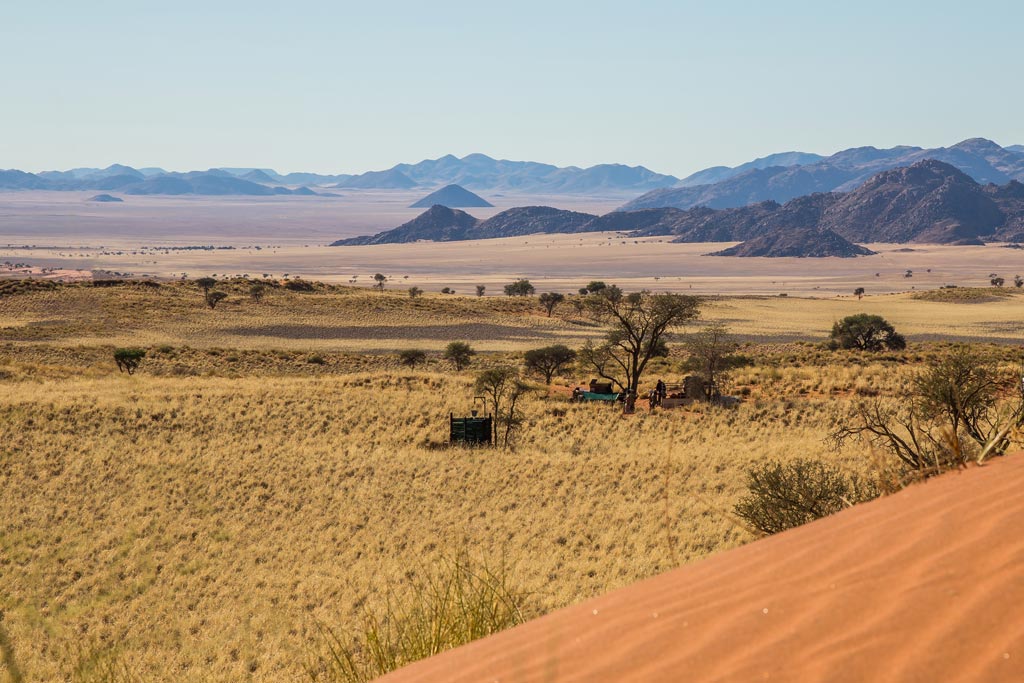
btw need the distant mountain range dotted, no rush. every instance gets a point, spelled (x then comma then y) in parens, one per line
(983, 160)
(778, 177)
(929, 201)
(127, 180)
(475, 172)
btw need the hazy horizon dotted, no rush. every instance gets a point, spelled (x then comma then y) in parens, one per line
(342, 88)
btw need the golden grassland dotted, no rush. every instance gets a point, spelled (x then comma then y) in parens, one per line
(339, 319)
(198, 520)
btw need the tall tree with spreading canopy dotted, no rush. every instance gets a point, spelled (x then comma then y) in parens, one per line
(866, 332)
(549, 300)
(548, 360)
(640, 324)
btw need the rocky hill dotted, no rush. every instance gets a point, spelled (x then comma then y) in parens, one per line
(105, 198)
(927, 202)
(379, 180)
(532, 220)
(452, 196)
(438, 224)
(798, 242)
(983, 160)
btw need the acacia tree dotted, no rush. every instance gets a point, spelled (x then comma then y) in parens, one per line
(866, 332)
(640, 323)
(956, 408)
(415, 292)
(548, 360)
(206, 284)
(711, 348)
(412, 357)
(380, 279)
(257, 291)
(480, 289)
(214, 298)
(549, 300)
(503, 389)
(859, 293)
(520, 287)
(128, 360)
(459, 353)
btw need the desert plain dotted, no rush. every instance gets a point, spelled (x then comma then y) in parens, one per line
(273, 474)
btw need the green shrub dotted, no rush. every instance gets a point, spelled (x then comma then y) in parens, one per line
(782, 496)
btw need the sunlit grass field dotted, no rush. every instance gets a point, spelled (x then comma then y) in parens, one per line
(200, 519)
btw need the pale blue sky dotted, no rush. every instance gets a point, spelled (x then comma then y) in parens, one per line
(347, 87)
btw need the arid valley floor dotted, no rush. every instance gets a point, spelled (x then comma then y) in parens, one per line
(272, 470)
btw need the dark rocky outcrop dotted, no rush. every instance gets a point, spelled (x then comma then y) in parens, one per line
(105, 198)
(531, 220)
(798, 242)
(438, 224)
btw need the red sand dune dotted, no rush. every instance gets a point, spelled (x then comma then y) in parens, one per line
(926, 585)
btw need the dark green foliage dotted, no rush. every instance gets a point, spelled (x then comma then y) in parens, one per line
(415, 292)
(214, 298)
(257, 292)
(128, 360)
(380, 279)
(782, 496)
(298, 285)
(459, 353)
(866, 332)
(549, 360)
(859, 292)
(412, 357)
(594, 287)
(549, 300)
(206, 284)
(480, 289)
(316, 359)
(519, 288)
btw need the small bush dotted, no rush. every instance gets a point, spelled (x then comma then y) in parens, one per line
(782, 496)
(316, 359)
(461, 602)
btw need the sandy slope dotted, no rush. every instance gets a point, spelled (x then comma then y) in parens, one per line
(926, 585)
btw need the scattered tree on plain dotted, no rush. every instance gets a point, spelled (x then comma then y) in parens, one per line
(594, 287)
(640, 323)
(859, 293)
(129, 359)
(206, 284)
(549, 360)
(415, 292)
(380, 279)
(549, 300)
(503, 389)
(412, 357)
(866, 332)
(711, 348)
(257, 292)
(1018, 281)
(459, 353)
(480, 289)
(214, 298)
(997, 281)
(520, 288)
